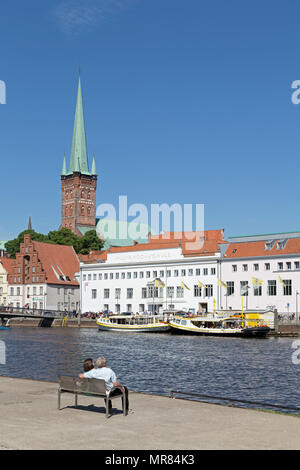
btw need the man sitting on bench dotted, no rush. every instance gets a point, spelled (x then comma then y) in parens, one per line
(107, 374)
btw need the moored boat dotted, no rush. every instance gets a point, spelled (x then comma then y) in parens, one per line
(133, 323)
(212, 324)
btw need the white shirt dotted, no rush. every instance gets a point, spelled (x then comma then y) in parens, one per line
(104, 373)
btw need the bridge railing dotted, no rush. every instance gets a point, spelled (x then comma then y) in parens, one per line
(32, 311)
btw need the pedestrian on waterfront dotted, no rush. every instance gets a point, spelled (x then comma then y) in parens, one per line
(107, 374)
(88, 364)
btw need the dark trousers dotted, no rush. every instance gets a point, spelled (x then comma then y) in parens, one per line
(116, 393)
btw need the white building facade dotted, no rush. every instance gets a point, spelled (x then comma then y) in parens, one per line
(251, 273)
(125, 281)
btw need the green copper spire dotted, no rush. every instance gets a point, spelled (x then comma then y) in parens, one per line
(94, 171)
(64, 167)
(79, 158)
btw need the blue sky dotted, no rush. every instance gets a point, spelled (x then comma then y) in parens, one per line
(186, 101)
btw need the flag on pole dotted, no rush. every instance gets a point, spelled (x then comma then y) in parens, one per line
(244, 289)
(222, 283)
(159, 283)
(200, 284)
(183, 285)
(256, 281)
(281, 281)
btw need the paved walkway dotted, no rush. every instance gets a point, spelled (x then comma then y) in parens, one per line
(30, 420)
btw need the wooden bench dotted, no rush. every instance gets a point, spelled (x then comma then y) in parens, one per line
(90, 387)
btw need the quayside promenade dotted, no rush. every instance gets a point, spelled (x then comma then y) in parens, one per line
(30, 420)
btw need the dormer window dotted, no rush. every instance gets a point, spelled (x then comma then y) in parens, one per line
(269, 245)
(281, 244)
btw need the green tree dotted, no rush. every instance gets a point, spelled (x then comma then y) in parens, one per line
(64, 236)
(13, 246)
(91, 241)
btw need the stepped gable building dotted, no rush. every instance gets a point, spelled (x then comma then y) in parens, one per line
(43, 275)
(79, 184)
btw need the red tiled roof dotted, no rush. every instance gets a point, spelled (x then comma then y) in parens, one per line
(192, 244)
(61, 259)
(7, 264)
(257, 248)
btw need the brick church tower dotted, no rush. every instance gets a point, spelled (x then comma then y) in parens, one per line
(78, 185)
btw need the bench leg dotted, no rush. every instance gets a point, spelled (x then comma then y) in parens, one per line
(58, 400)
(76, 400)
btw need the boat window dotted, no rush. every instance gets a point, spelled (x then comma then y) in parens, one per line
(183, 322)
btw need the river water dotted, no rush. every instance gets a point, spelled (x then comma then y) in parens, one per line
(248, 369)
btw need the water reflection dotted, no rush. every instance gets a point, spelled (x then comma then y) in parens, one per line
(250, 369)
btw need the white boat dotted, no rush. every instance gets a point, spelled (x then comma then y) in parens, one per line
(212, 324)
(133, 323)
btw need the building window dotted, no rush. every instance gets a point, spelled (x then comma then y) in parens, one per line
(94, 293)
(180, 292)
(197, 291)
(230, 287)
(154, 274)
(183, 272)
(117, 293)
(18, 291)
(128, 275)
(213, 271)
(89, 277)
(135, 275)
(267, 266)
(144, 292)
(41, 290)
(84, 277)
(244, 288)
(190, 272)
(111, 275)
(123, 276)
(105, 275)
(297, 265)
(287, 288)
(33, 269)
(94, 277)
(170, 291)
(141, 274)
(117, 275)
(271, 287)
(129, 293)
(197, 272)
(106, 293)
(34, 291)
(208, 291)
(257, 291)
(256, 267)
(288, 265)
(175, 273)
(168, 273)
(11, 291)
(205, 271)
(280, 266)
(161, 273)
(148, 274)
(245, 267)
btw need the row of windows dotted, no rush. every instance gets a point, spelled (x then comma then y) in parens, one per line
(147, 274)
(272, 288)
(17, 279)
(17, 290)
(267, 267)
(156, 292)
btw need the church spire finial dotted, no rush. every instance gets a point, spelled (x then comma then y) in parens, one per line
(79, 157)
(29, 224)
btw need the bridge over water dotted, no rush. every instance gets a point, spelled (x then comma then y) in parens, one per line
(46, 316)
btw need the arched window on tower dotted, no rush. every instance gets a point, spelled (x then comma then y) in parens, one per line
(89, 195)
(89, 210)
(82, 210)
(82, 194)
